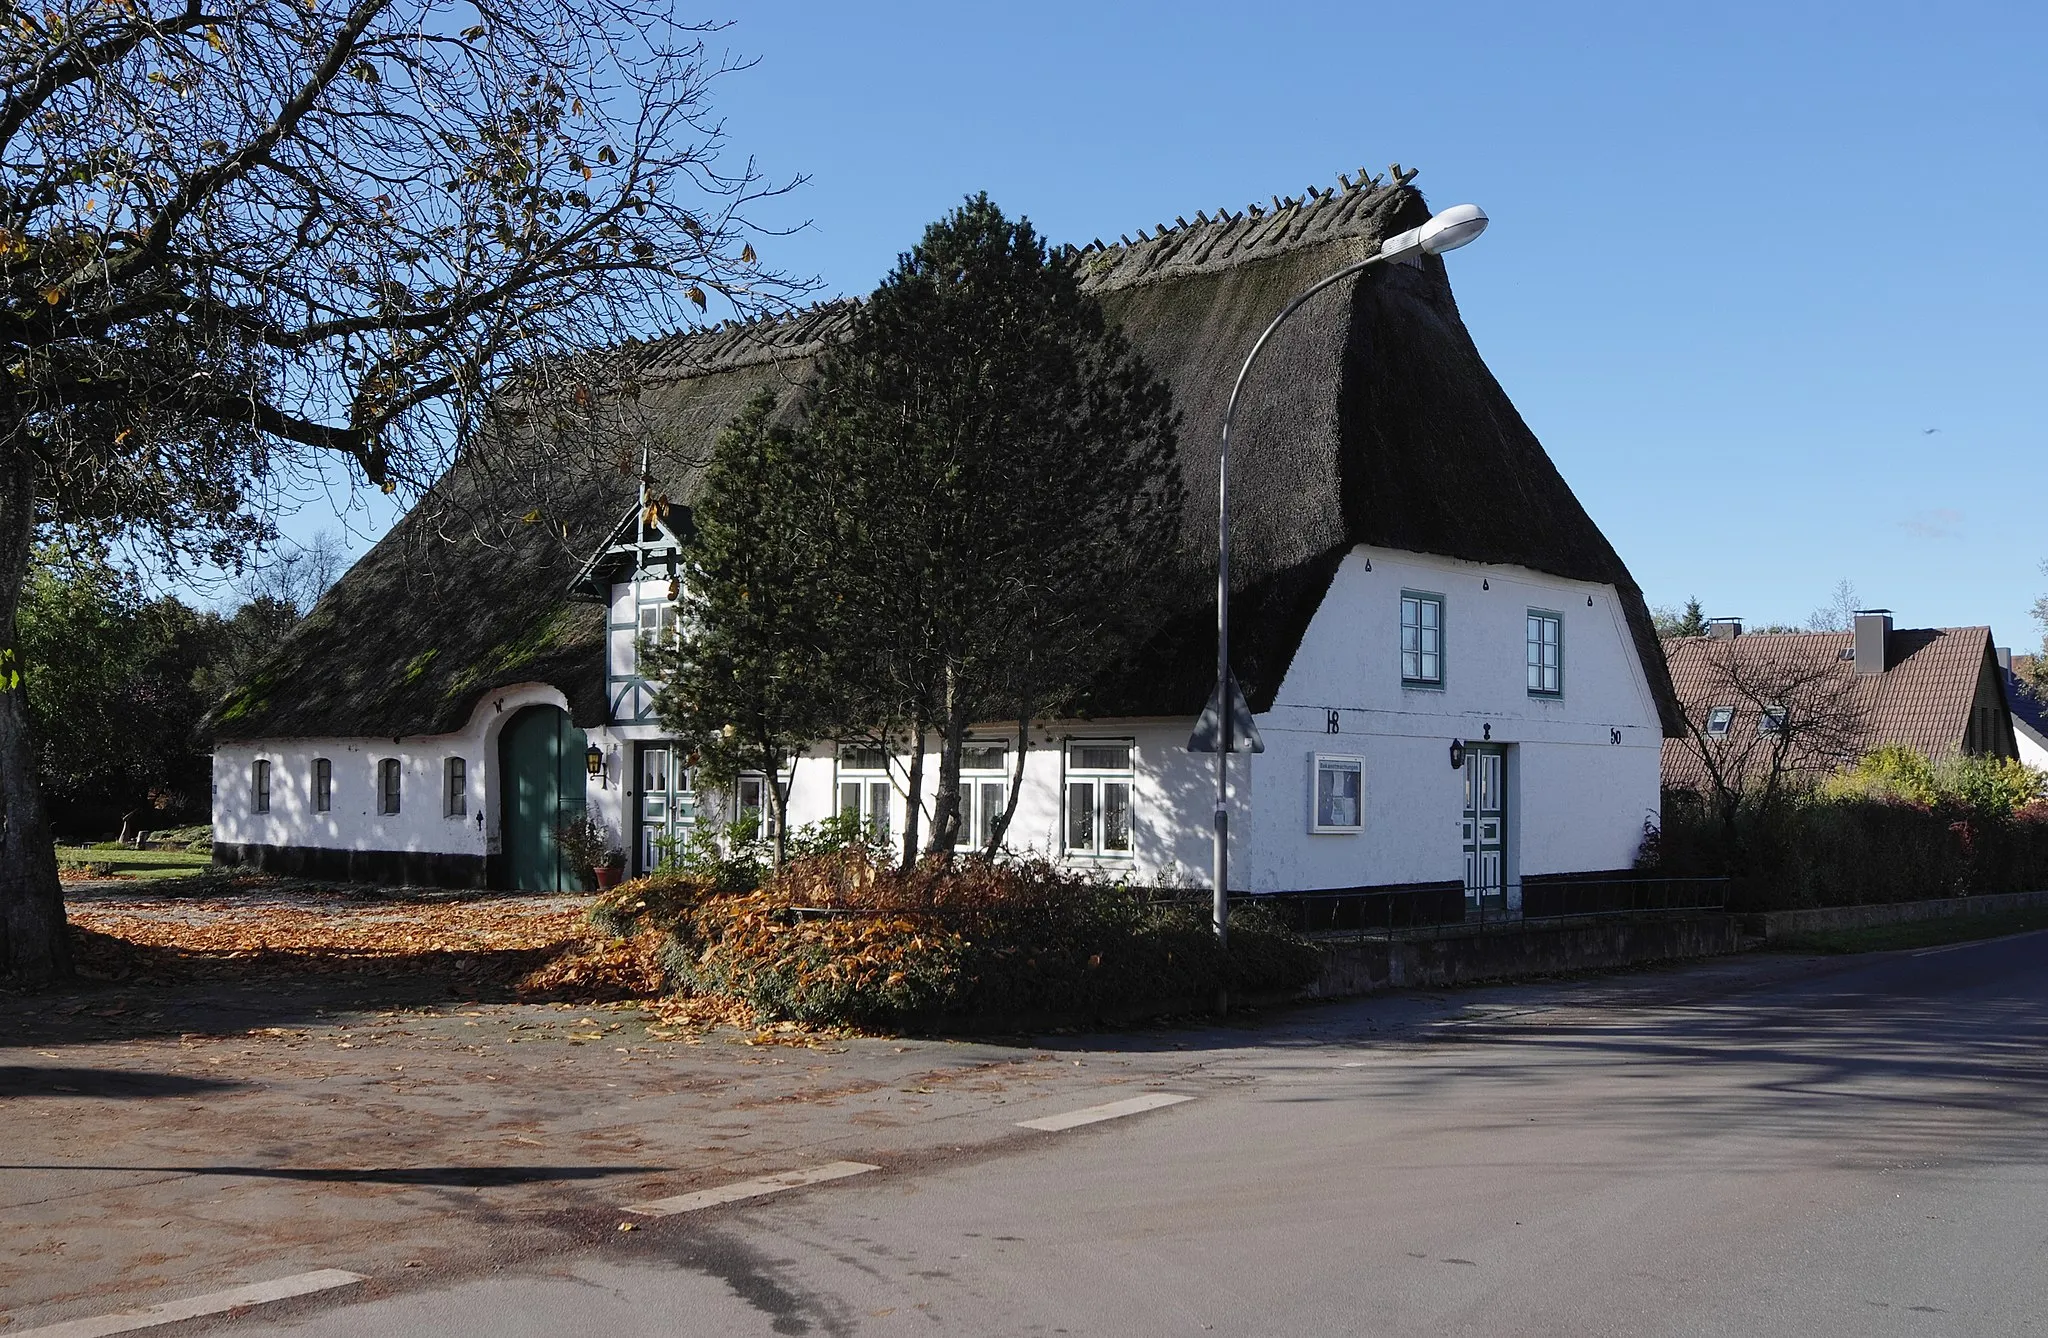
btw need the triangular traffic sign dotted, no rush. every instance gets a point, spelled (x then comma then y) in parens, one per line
(1209, 734)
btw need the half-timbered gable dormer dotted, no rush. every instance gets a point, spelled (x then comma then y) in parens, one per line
(638, 575)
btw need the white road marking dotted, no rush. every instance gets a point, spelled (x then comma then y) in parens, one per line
(213, 1303)
(750, 1189)
(1953, 947)
(1115, 1110)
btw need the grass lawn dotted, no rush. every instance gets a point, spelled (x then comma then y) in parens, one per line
(138, 865)
(1915, 933)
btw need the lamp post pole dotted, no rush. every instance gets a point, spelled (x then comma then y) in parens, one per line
(1445, 231)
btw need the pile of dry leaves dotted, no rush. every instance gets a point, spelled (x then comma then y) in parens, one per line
(524, 946)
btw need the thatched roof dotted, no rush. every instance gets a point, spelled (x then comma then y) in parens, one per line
(1371, 419)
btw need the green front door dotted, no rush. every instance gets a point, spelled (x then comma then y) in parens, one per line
(540, 785)
(1485, 827)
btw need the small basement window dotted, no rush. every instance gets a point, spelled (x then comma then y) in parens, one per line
(455, 774)
(387, 786)
(259, 785)
(1719, 718)
(323, 785)
(1337, 803)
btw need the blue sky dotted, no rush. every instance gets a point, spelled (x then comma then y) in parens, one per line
(1742, 257)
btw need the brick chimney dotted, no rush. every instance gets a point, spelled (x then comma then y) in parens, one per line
(1873, 641)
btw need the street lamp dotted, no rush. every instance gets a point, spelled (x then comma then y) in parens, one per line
(1445, 231)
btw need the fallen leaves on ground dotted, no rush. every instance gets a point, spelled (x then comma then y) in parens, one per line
(533, 949)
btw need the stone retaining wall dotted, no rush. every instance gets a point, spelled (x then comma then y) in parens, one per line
(1364, 966)
(1783, 924)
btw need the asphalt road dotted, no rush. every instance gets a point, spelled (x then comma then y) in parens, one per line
(1844, 1147)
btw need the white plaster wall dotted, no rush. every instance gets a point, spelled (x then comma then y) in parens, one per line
(2033, 748)
(354, 823)
(1577, 798)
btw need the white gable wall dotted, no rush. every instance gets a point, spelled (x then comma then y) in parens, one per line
(1577, 798)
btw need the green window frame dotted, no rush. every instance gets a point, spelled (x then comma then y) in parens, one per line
(1422, 639)
(1544, 642)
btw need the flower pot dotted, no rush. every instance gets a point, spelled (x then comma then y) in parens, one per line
(607, 875)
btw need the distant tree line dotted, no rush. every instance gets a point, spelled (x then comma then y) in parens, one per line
(118, 679)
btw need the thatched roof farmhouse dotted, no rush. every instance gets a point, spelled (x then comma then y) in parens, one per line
(1372, 426)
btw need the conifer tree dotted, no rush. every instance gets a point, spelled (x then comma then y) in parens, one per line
(748, 682)
(999, 470)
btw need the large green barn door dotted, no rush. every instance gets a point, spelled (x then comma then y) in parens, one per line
(540, 784)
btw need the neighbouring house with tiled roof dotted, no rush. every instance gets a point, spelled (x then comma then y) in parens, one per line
(1457, 681)
(2029, 708)
(1937, 690)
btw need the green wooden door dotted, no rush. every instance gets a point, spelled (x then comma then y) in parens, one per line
(1485, 827)
(540, 784)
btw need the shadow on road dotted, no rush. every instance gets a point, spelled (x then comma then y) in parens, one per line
(117, 1084)
(456, 1177)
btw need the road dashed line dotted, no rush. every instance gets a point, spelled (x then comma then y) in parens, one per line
(749, 1189)
(1114, 1110)
(213, 1303)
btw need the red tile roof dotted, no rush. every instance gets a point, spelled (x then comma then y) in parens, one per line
(1922, 700)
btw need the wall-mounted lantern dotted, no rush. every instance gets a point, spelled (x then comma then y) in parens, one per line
(593, 761)
(1457, 753)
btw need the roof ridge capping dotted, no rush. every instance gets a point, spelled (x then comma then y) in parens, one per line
(1350, 209)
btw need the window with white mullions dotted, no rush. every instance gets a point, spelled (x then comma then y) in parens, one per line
(1337, 802)
(1422, 640)
(750, 822)
(865, 792)
(388, 779)
(1101, 779)
(1719, 718)
(658, 622)
(1546, 653)
(259, 786)
(984, 789)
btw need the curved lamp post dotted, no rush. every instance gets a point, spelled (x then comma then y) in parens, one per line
(1445, 231)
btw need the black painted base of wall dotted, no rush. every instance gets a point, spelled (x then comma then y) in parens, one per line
(392, 868)
(1387, 905)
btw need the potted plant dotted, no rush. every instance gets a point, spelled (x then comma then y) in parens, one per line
(587, 845)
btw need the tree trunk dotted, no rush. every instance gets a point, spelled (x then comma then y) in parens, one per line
(913, 810)
(946, 803)
(1002, 827)
(778, 850)
(33, 947)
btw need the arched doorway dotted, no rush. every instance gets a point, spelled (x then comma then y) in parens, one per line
(540, 785)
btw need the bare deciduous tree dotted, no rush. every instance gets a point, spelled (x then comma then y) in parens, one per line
(1789, 721)
(238, 239)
